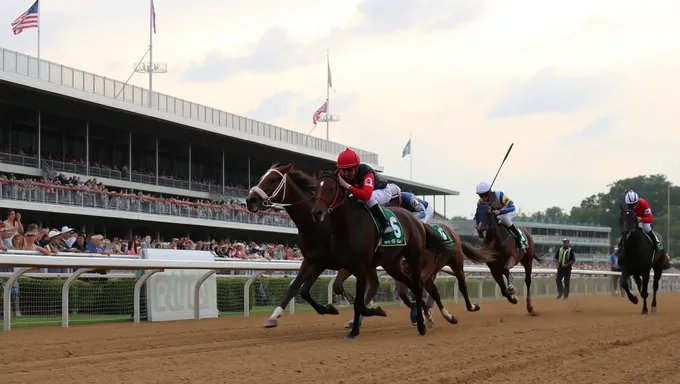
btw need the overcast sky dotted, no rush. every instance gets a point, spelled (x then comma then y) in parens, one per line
(589, 91)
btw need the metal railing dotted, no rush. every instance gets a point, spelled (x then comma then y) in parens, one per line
(44, 70)
(80, 197)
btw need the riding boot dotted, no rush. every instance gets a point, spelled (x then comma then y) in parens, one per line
(377, 211)
(655, 241)
(518, 235)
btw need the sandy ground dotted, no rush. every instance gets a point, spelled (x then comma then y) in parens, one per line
(599, 339)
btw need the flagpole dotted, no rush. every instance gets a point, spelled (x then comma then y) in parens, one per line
(410, 157)
(39, 34)
(328, 95)
(150, 51)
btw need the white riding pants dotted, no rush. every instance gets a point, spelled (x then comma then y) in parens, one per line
(645, 226)
(506, 218)
(383, 196)
(429, 211)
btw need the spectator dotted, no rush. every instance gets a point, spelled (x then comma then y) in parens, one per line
(565, 257)
(95, 245)
(68, 235)
(13, 226)
(614, 267)
(133, 247)
(79, 244)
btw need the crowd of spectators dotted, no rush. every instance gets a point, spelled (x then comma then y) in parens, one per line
(48, 241)
(92, 193)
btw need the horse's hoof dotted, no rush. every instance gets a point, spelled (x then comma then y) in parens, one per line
(271, 323)
(475, 307)
(511, 290)
(422, 329)
(350, 336)
(349, 324)
(645, 312)
(453, 320)
(380, 312)
(634, 300)
(331, 310)
(513, 299)
(653, 309)
(430, 322)
(415, 323)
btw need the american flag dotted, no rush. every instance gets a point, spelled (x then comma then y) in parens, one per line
(317, 115)
(28, 19)
(153, 16)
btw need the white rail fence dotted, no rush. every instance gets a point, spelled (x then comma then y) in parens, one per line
(182, 289)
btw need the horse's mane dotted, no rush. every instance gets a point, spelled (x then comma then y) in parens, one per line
(305, 182)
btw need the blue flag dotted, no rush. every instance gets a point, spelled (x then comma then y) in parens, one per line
(407, 149)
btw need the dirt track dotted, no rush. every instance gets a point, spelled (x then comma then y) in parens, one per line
(583, 340)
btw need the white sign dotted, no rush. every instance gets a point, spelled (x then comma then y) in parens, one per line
(170, 294)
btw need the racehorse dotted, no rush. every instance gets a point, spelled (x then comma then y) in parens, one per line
(293, 190)
(457, 264)
(636, 257)
(356, 237)
(500, 239)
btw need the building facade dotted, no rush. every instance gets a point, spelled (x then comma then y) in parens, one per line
(590, 242)
(144, 148)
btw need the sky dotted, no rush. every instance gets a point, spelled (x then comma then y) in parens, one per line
(588, 91)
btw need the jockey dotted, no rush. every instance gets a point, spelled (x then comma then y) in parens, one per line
(421, 208)
(644, 214)
(502, 206)
(364, 183)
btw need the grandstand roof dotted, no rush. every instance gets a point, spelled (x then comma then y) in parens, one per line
(422, 189)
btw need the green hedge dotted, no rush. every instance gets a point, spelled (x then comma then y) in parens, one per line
(115, 296)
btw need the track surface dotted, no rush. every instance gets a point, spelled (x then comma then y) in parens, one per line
(600, 339)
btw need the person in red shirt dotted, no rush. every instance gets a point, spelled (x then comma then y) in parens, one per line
(364, 183)
(645, 217)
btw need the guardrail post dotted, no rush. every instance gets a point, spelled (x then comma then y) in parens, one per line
(480, 290)
(330, 289)
(64, 294)
(456, 289)
(7, 293)
(138, 291)
(197, 291)
(246, 293)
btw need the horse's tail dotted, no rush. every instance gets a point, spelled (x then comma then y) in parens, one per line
(434, 241)
(478, 255)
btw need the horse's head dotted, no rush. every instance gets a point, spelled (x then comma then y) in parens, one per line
(484, 219)
(270, 190)
(627, 220)
(329, 195)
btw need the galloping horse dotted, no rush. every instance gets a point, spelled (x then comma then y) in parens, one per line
(636, 257)
(355, 237)
(293, 190)
(500, 239)
(457, 265)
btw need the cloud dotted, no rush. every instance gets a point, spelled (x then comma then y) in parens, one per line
(275, 107)
(277, 50)
(381, 16)
(594, 130)
(547, 91)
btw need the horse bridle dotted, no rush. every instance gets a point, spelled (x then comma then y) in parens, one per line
(281, 188)
(338, 197)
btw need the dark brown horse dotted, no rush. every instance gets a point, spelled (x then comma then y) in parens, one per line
(453, 261)
(293, 190)
(355, 239)
(498, 238)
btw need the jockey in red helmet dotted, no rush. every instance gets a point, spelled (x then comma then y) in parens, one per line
(364, 183)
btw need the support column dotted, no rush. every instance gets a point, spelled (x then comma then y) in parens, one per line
(39, 141)
(189, 165)
(157, 160)
(130, 156)
(87, 148)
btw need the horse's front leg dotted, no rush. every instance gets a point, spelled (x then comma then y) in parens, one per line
(625, 284)
(655, 286)
(644, 293)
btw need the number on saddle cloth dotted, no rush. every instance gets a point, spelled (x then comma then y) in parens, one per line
(447, 240)
(394, 239)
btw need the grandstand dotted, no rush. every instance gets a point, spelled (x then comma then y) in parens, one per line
(109, 163)
(590, 242)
